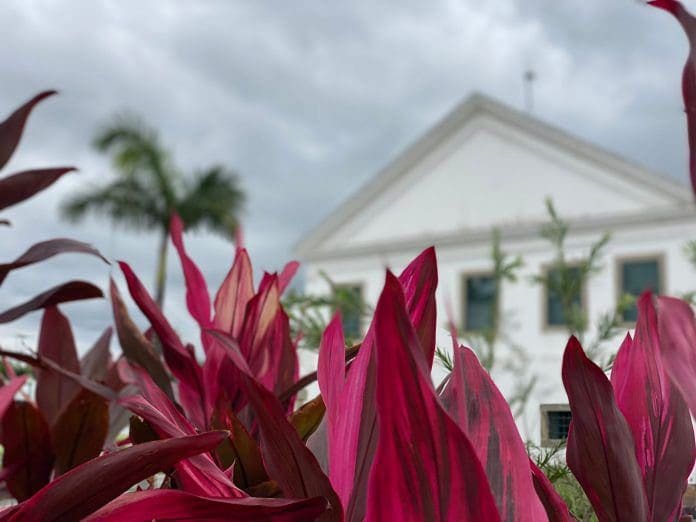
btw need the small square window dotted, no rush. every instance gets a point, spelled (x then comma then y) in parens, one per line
(480, 300)
(637, 276)
(555, 314)
(555, 423)
(350, 304)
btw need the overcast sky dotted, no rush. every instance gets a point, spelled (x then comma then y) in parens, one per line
(306, 101)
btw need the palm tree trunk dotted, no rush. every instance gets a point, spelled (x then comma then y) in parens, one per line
(161, 275)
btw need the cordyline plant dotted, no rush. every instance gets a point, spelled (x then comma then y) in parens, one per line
(218, 437)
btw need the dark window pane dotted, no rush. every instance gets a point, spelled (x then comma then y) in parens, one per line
(480, 302)
(558, 422)
(637, 277)
(350, 305)
(554, 305)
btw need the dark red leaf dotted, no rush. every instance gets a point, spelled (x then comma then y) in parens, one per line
(425, 467)
(136, 348)
(12, 128)
(178, 505)
(71, 291)
(600, 448)
(86, 488)
(48, 364)
(27, 446)
(45, 250)
(688, 23)
(80, 431)
(288, 461)
(240, 450)
(656, 414)
(181, 362)
(53, 390)
(96, 362)
(481, 411)
(556, 508)
(15, 188)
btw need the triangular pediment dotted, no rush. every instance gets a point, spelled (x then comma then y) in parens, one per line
(485, 166)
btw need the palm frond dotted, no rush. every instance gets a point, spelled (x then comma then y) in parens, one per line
(137, 152)
(213, 200)
(124, 201)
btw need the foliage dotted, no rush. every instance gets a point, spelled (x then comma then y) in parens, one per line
(224, 431)
(552, 462)
(309, 314)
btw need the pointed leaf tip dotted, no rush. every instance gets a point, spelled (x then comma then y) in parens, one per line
(600, 448)
(425, 467)
(12, 128)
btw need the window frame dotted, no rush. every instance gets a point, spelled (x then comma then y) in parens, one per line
(464, 277)
(544, 410)
(352, 284)
(620, 261)
(584, 298)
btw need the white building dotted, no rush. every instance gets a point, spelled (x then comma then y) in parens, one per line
(487, 165)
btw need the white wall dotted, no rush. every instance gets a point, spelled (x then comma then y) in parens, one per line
(491, 173)
(522, 301)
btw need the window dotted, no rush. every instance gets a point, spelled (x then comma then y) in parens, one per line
(349, 300)
(555, 422)
(555, 315)
(479, 304)
(635, 277)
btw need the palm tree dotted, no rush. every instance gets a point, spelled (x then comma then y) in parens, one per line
(149, 189)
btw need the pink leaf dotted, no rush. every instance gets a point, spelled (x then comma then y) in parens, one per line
(197, 297)
(12, 128)
(17, 187)
(425, 467)
(419, 281)
(688, 23)
(331, 376)
(86, 488)
(171, 504)
(288, 461)
(71, 291)
(198, 474)
(483, 414)
(677, 331)
(357, 415)
(656, 414)
(286, 275)
(45, 250)
(8, 391)
(600, 449)
(235, 292)
(53, 390)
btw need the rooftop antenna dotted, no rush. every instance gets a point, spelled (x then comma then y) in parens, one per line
(529, 78)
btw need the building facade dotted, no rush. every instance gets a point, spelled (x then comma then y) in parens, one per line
(484, 167)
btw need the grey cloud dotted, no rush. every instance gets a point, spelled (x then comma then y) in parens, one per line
(307, 100)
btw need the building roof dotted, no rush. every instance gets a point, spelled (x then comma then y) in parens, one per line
(665, 187)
